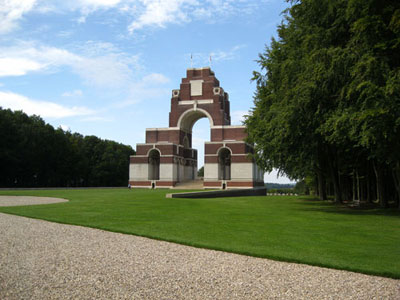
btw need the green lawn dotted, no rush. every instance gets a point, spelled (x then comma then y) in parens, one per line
(282, 228)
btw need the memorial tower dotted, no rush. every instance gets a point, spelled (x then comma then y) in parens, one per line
(168, 158)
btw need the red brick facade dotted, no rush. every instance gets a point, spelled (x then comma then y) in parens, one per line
(199, 96)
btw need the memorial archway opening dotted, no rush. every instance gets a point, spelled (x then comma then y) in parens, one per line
(154, 164)
(224, 164)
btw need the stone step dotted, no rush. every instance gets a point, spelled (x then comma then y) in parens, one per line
(190, 185)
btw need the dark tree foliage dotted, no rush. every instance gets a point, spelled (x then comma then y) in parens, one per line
(327, 106)
(34, 154)
(200, 172)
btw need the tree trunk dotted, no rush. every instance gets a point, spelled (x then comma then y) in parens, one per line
(335, 180)
(362, 190)
(321, 185)
(358, 187)
(354, 186)
(370, 185)
(380, 187)
(396, 179)
(316, 190)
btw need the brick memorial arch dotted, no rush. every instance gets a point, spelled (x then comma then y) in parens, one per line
(167, 157)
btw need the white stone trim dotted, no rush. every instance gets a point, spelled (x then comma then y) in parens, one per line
(166, 172)
(154, 148)
(198, 69)
(161, 155)
(242, 171)
(138, 172)
(232, 180)
(196, 87)
(230, 142)
(190, 102)
(224, 146)
(227, 142)
(211, 171)
(141, 186)
(162, 129)
(197, 110)
(155, 144)
(144, 144)
(175, 93)
(227, 126)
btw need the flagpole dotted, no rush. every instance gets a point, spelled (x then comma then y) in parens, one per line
(210, 61)
(191, 60)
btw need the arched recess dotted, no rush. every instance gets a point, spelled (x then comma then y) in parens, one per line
(185, 123)
(189, 117)
(186, 142)
(224, 163)
(154, 164)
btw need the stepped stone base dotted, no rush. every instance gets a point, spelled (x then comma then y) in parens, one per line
(190, 185)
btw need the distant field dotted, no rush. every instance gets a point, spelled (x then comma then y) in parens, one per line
(278, 227)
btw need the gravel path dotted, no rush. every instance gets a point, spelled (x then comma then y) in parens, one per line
(27, 200)
(44, 260)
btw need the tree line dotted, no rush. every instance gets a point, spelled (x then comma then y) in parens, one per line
(327, 105)
(34, 154)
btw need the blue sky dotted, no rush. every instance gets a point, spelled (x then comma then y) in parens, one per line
(107, 67)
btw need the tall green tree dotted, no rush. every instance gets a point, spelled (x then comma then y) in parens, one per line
(327, 102)
(34, 154)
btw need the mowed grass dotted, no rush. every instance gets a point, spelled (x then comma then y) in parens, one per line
(293, 229)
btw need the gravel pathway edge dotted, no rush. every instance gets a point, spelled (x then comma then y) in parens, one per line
(45, 260)
(28, 200)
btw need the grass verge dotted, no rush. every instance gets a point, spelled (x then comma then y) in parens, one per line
(293, 229)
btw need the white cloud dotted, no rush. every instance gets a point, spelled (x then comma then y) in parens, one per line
(17, 66)
(97, 119)
(65, 33)
(237, 116)
(11, 12)
(200, 59)
(161, 12)
(44, 109)
(155, 78)
(25, 57)
(74, 93)
(98, 64)
(226, 55)
(101, 65)
(99, 3)
(145, 13)
(149, 87)
(87, 7)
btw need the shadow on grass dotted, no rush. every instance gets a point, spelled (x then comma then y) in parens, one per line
(313, 204)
